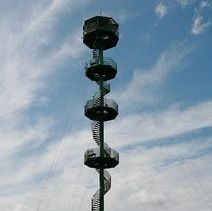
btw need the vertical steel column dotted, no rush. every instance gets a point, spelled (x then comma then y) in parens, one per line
(101, 170)
(100, 33)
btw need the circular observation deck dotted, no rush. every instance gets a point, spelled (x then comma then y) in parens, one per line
(107, 70)
(97, 112)
(92, 158)
(100, 32)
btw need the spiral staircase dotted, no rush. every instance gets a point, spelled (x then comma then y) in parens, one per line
(101, 33)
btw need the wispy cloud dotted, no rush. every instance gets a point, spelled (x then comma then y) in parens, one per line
(147, 170)
(199, 24)
(168, 187)
(145, 83)
(161, 125)
(185, 3)
(204, 4)
(161, 10)
(25, 68)
(147, 178)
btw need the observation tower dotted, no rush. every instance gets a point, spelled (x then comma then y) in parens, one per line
(99, 34)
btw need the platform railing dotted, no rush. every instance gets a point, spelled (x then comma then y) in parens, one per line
(106, 61)
(94, 152)
(95, 102)
(98, 24)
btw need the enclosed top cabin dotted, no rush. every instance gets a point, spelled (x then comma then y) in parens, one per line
(100, 32)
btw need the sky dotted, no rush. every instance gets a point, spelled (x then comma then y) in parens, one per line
(163, 87)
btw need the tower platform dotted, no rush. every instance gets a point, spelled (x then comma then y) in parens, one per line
(100, 29)
(92, 158)
(97, 112)
(107, 70)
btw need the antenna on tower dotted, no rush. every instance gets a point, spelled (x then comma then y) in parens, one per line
(101, 33)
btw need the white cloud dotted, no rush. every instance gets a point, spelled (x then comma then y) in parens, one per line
(142, 179)
(204, 4)
(185, 3)
(22, 66)
(25, 70)
(172, 122)
(161, 10)
(143, 182)
(22, 207)
(151, 183)
(144, 85)
(199, 26)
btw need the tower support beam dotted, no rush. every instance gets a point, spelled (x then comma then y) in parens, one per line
(101, 175)
(101, 33)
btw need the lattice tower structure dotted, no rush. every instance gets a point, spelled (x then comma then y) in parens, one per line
(99, 34)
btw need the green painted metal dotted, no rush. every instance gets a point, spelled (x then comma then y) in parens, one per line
(100, 33)
(101, 175)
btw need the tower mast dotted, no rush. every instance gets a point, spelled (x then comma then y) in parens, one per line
(99, 34)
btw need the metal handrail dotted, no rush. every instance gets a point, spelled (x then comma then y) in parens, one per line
(94, 152)
(101, 25)
(108, 102)
(106, 61)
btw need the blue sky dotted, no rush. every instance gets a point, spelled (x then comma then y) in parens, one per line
(163, 88)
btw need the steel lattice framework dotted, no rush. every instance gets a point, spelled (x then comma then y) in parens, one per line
(101, 33)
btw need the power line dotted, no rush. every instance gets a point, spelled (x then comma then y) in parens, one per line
(55, 157)
(168, 139)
